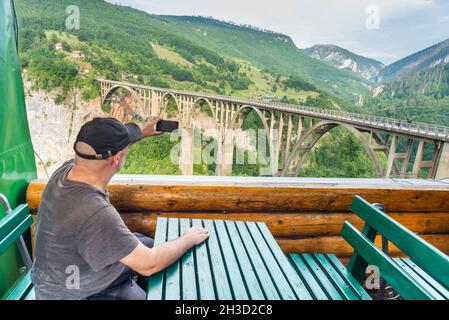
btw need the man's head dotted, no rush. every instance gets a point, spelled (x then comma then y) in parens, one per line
(102, 144)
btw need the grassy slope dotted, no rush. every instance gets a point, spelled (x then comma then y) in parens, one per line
(270, 51)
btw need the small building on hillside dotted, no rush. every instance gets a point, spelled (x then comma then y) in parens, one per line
(86, 68)
(78, 54)
(270, 96)
(58, 46)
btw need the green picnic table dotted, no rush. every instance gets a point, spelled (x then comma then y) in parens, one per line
(239, 261)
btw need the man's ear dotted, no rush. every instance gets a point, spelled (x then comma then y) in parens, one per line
(116, 159)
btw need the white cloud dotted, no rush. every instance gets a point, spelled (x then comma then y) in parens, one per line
(405, 25)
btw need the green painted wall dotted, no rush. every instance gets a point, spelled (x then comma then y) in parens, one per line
(17, 163)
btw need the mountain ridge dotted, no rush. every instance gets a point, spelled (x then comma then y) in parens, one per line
(437, 54)
(341, 58)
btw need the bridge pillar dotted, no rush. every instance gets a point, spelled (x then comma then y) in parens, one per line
(187, 151)
(442, 170)
(420, 163)
(224, 168)
(156, 103)
(393, 155)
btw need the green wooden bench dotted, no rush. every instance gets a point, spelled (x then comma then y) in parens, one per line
(12, 226)
(239, 261)
(423, 275)
(327, 278)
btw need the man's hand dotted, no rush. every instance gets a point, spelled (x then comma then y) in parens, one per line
(150, 128)
(149, 261)
(196, 235)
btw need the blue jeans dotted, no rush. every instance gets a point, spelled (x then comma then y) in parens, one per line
(129, 285)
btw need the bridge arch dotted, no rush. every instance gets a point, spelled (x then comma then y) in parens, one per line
(208, 102)
(122, 110)
(237, 122)
(165, 100)
(111, 91)
(309, 140)
(239, 116)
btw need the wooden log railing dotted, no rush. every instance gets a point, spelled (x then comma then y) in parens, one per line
(305, 215)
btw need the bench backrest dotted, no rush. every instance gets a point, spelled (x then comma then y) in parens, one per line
(426, 256)
(13, 225)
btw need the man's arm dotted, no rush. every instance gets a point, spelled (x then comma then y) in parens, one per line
(149, 130)
(148, 261)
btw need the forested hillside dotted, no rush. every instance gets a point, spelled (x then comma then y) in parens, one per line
(428, 58)
(416, 87)
(193, 53)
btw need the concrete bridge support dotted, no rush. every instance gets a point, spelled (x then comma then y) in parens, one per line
(420, 163)
(394, 155)
(186, 158)
(442, 171)
(226, 154)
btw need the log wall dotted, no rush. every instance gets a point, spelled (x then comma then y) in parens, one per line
(304, 215)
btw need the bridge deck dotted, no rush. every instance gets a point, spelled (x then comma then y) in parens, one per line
(410, 129)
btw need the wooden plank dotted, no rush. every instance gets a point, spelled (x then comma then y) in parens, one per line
(173, 273)
(339, 247)
(252, 283)
(18, 230)
(295, 281)
(189, 289)
(295, 224)
(156, 281)
(434, 283)
(338, 281)
(273, 197)
(421, 252)
(265, 280)
(233, 269)
(402, 282)
(12, 220)
(281, 283)
(21, 288)
(323, 279)
(309, 279)
(348, 277)
(357, 265)
(222, 285)
(419, 280)
(203, 267)
(31, 295)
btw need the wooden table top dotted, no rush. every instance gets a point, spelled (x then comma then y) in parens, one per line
(239, 261)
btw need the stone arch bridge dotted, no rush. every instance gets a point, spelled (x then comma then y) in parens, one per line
(292, 131)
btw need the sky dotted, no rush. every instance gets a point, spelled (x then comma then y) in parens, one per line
(385, 30)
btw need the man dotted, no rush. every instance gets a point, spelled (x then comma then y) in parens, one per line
(83, 249)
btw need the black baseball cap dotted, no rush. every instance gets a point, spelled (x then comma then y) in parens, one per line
(107, 136)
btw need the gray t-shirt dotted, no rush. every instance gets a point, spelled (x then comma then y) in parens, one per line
(80, 238)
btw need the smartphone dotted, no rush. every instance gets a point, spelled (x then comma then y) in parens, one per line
(167, 126)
